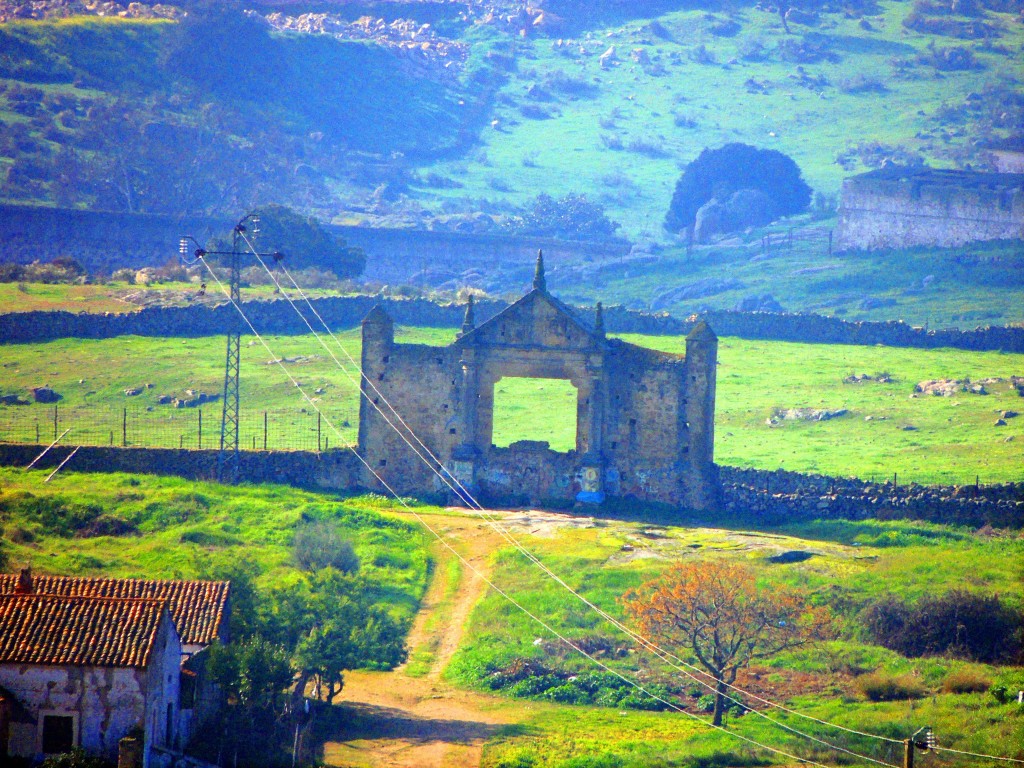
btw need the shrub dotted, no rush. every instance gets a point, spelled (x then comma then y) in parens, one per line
(965, 681)
(959, 624)
(318, 545)
(878, 686)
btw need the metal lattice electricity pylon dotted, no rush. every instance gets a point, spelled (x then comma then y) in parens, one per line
(228, 458)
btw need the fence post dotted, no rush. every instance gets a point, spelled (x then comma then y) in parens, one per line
(111, 438)
(830, 242)
(37, 433)
(54, 422)
(264, 430)
(318, 431)
(124, 427)
(200, 443)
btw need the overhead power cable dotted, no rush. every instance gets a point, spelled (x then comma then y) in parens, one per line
(435, 465)
(464, 493)
(482, 576)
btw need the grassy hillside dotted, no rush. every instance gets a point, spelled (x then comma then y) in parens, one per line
(850, 564)
(838, 96)
(885, 429)
(158, 527)
(979, 284)
(218, 112)
(328, 125)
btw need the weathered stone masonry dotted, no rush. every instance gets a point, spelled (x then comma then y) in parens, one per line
(901, 207)
(645, 419)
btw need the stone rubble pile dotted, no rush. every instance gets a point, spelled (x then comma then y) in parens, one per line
(409, 39)
(62, 9)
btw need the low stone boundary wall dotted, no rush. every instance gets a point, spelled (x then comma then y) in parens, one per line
(330, 470)
(778, 497)
(348, 311)
(757, 496)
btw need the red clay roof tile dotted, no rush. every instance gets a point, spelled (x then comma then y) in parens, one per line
(78, 631)
(197, 607)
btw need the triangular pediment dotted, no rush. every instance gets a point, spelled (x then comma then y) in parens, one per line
(536, 320)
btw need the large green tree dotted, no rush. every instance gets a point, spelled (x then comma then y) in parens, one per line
(720, 173)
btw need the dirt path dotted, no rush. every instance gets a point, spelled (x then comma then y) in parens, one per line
(410, 718)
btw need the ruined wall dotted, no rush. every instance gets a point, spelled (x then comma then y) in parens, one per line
(780, 497)
(767, 497)
(900, 208)
(417, 380)
(644, 426)
(105, 241)
(336, 469)
(397, 255)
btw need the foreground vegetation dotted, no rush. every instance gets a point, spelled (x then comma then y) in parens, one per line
(887, 428)
(570, 713)
(852, 681)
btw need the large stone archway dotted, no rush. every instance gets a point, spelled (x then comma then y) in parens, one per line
(645, 419)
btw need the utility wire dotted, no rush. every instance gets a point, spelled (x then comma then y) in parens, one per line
(464, 493)
(671, 659)
(482, 576)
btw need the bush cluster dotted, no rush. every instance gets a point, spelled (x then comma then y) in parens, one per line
(878, 686)
(524, 678)
(958, 624)
(63, 269)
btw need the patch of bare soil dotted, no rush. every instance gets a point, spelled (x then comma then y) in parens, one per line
(394, 720)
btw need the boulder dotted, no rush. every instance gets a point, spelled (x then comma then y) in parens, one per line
(45, 395)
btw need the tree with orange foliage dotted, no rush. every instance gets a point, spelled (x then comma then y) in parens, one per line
(717, 611)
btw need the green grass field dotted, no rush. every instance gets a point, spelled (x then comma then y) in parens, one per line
(952, 440)
(198, 530)
(852, 563)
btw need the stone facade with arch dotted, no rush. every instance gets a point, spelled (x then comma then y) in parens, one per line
(645, 419)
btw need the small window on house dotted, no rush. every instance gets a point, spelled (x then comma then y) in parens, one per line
(58, 734)
(451, 431)
(169, 725)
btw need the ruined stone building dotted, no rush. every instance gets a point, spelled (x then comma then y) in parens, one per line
(897, 207)
(644, 419)
(84, 662)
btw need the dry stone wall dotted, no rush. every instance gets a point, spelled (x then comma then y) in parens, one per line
(755, 496)
(348, 311)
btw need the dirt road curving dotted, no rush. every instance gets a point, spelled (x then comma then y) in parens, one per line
(410, 718)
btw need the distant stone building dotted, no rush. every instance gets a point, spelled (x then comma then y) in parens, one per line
(897, 207)
(645, 419)
(87, 661)
(1007, 156)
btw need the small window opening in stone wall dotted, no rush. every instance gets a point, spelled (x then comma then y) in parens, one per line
(535, 409)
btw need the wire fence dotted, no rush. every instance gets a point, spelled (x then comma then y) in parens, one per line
(190, 428)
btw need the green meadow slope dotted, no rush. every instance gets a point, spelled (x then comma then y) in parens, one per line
(332, 125)
(886, 427)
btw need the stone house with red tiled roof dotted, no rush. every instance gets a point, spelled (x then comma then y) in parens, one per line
(197, 614)
(87, 671)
